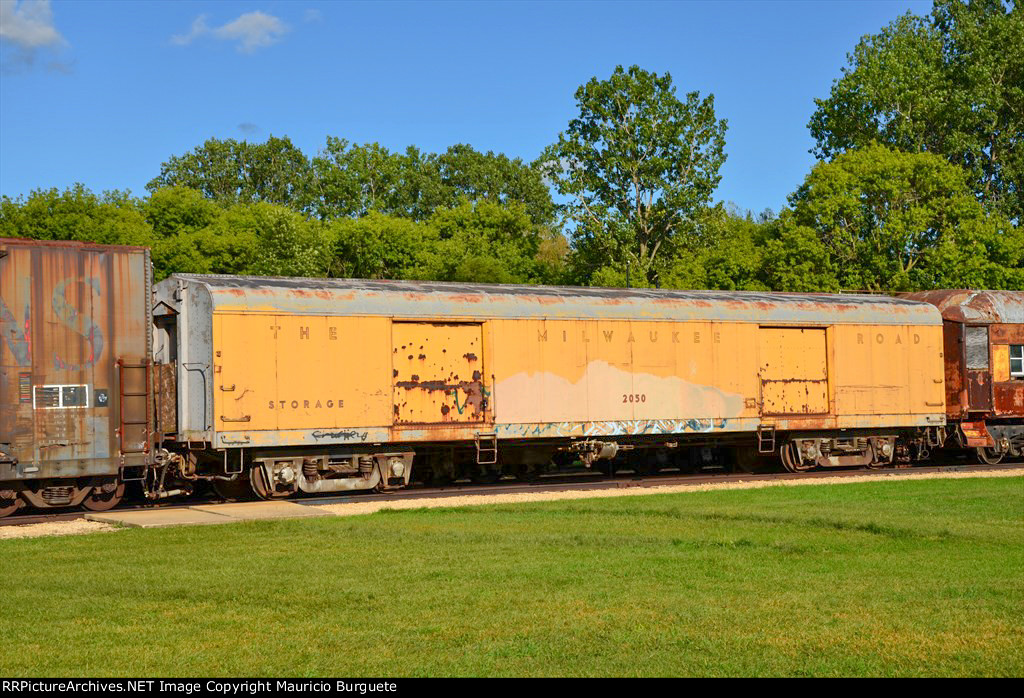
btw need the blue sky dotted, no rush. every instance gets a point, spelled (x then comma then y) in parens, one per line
(103, 92)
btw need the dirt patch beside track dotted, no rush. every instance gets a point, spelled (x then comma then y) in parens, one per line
(54, 528)
(356, 508)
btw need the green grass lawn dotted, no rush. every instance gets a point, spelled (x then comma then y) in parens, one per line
(908, 578)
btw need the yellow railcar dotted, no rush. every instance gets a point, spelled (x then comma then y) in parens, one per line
(322, 385)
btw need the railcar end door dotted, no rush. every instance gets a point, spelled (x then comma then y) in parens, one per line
(979, 376)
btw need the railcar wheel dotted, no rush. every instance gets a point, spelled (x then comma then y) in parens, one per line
(9, 502)
(792, 461)
(105, 496)
(258, 484)
(990, 456)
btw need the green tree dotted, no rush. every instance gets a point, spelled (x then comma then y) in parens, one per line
(352, 180)
(725, 253)
(465, 174)
(639, 165)
(879, 219)
(797, 258)
(195, 235)
(230, 171)
(485, 242)
(950, 84)
(379, 246)
(76, 213)
(172, 210)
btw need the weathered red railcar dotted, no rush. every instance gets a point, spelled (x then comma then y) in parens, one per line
(983, 338)
(75, 402)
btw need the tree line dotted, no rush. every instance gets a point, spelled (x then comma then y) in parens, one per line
(918, 185)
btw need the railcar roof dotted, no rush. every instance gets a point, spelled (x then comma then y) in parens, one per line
(431, 299)
(983, 307)
(76, 244)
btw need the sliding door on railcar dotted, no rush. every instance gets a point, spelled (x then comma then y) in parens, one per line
(438, 373)
(793, 371)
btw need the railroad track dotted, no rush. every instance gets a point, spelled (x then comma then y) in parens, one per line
(558, 483)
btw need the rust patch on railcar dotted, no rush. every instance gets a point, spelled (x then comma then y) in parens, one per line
(427, 386)
(1009, 398)
(975, 307)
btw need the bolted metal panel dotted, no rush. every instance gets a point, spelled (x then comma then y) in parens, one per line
(438, 373)
(69, 313)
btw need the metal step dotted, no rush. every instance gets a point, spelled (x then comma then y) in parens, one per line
(486, 448)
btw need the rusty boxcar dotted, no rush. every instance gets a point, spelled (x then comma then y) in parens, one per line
(75, 414)
(324, 385)
(983, 336)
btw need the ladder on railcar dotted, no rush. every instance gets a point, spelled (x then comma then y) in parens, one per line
(135, 414)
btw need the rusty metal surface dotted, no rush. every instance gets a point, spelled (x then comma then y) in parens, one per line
(447, 300)
(68, 313)
(977, 372)
(793, 371)
(1009, 398)
(974, 307)
(288, 362)
(165, 385)
(438, 373)
(953, 364)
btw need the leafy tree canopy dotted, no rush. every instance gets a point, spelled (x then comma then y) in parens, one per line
(879, 219)
(639, 165)
(231, 171)
(951, 84)
(349, 180)
(75, 214)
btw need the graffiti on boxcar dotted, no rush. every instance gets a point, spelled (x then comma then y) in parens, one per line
(633, 427)
(343, 435)
(81, 324)
(17, 333)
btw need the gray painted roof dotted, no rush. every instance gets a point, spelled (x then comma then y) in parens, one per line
(428, 299)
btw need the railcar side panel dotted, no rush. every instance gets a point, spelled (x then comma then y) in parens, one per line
(74, 369)
(275, 373)
(565, 372)
(793, 370)
(288, 379)
(1007, 369)
(887, 371)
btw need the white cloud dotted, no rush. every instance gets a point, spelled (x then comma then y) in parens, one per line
(26, 29)
(198, 29)
(28, 24)
(251, 31)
